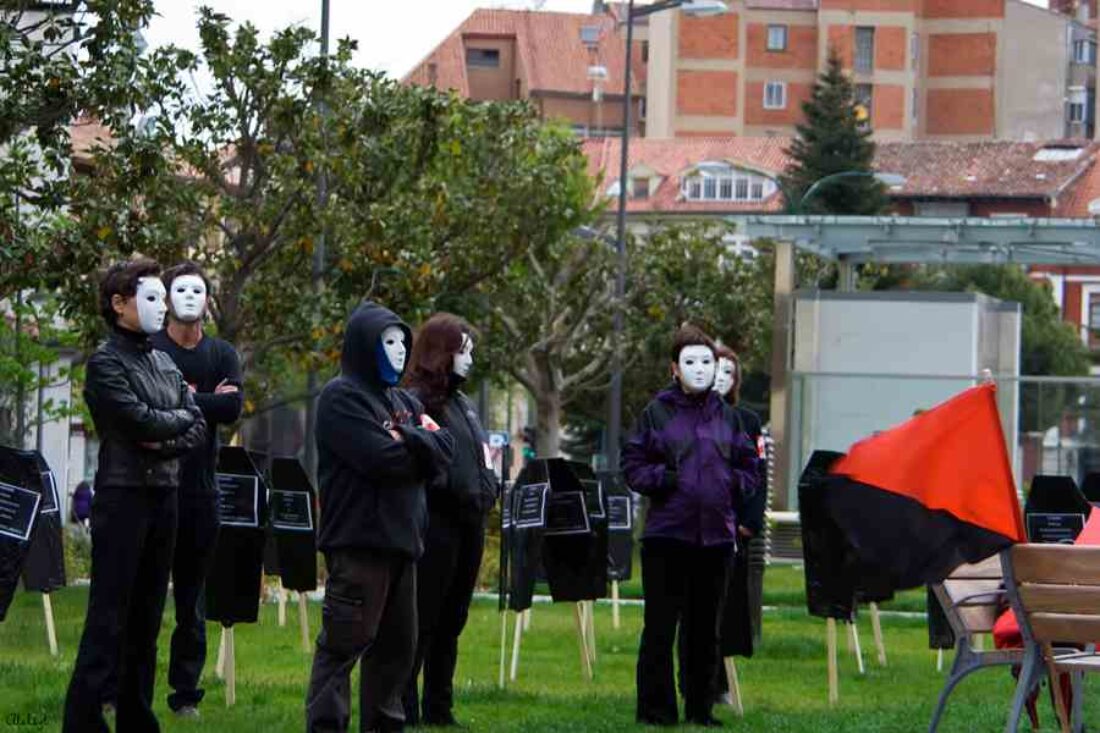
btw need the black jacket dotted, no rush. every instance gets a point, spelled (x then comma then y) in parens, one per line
(751, 511)
(469, 489)
(372, 487)
(137, 396)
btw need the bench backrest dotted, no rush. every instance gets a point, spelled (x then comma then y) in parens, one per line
(970, 597)
(1057, 588)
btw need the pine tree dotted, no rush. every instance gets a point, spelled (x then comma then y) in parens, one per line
(832, 140)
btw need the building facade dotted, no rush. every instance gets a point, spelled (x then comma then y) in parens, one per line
(924, 69)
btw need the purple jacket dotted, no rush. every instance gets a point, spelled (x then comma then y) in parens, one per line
(688, 455)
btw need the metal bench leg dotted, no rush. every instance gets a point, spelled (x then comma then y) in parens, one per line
(960, 668)
(1077, 722)
(1031, 671)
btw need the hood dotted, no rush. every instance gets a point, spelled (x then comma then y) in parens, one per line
(362, 337)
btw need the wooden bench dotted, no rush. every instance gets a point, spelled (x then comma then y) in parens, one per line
(1055, 592)
(972, 597)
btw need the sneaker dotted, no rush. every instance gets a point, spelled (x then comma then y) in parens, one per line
(187, 711)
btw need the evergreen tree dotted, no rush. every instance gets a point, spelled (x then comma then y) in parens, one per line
(830, 140)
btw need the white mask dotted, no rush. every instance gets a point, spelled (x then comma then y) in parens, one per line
(464, 359)
(188, 298)
(150, 304)
(723, 380)
(393, 343)
(696, 366)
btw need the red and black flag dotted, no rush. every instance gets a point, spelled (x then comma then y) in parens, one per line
(933, 493)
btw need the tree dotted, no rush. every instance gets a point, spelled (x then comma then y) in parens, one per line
(832, 139)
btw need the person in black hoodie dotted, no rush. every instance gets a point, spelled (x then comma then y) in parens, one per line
(457, 510)
(377, 451)
(213, 373)
(146, 419)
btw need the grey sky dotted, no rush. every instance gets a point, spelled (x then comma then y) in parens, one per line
(393, 34)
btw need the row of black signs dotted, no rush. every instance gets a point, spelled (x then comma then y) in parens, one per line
(239, 504)
(534, 506)
(19, 506)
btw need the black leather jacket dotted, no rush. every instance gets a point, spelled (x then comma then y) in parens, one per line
(143, 411)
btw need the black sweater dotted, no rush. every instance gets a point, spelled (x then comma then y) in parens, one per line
(204, 367)
(372, 486)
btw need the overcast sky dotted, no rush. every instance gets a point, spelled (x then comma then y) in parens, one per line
(393, 35)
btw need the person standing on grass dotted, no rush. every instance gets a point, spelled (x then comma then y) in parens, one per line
(146, 419)
(688, 457)
(377, 451)
(213, 374)
(457, 510)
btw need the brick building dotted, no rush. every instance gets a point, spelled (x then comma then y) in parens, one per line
(925, 69)
(569, 65)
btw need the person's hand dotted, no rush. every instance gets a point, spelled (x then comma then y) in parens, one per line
(745, 532)
(397, 436)
(191, 389)
(225, 388)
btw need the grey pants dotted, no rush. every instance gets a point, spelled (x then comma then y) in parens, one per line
(369, 614)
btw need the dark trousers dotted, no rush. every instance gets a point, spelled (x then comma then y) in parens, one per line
(196, 539)
(133, 533)
(446, 576)
(369, 614)
(683, 586)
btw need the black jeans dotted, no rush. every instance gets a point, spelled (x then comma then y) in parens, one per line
(196, 539)
(133, 533)
(683, 585)
(369, 613)
(446, 576)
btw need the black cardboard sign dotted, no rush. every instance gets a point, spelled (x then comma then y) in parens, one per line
(619, 515)
(238, 500)
(291, 510)
(567, 513)
(18, 510)
(50, 502)
(1056, 529)
(530, 506)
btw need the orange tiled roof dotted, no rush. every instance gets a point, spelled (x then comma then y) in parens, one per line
(671, 158)
(548, 46)
(85, 134)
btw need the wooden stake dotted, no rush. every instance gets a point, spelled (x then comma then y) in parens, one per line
(281, 600)
(830, 643)
(219, 669)
(978, 642)
(590, 632)
(578, 616)
(939, 660)
(527, 620)
(853, 634)
(876, 629)
(517, 635)
(51, 633)
(616, 621)
(735, 688)
(230, 669)
(503, 646)
(303, 621)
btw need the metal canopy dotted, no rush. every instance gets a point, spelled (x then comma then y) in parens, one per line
(910, 239)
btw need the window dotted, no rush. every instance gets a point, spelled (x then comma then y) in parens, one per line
(775, 95)
(1094, 320)
(777, 38)
(915, 112)
(483, 58)
(1076, 112)
(645, 52)
(641, 187)
(914, 49)
(1084, 51)
(1076, 105)
(865, 49)
(865, 103)
(719, 181)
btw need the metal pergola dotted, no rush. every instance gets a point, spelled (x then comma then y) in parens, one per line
(854, 240)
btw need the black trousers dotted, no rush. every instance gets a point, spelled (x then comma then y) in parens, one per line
(196, 540)
(369, 614)
(133, 534)
(446, 576)
(683, 586)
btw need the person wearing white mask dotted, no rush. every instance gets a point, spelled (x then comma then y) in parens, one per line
(687, 458)
(145, 418)
(442, 359)
(377, 452)
(212, 370)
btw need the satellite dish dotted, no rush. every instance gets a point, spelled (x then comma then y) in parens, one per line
(1094, 207)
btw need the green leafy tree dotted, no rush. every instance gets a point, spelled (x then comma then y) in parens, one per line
(833, 139)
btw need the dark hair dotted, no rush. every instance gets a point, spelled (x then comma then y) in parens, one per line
(122, 279)
(689, 335)
(725, 352)
(436, 343)
(187, 267)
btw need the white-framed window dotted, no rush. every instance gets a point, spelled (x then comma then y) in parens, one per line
(1076, 112)
(865, 49)
(1084, 51)
(777, 37)
(639, 187)
(720, 181)
(1076, 105)
(775, 95)
(915, 105)
(914, 49)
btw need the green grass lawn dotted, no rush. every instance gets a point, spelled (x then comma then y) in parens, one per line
(784, 685)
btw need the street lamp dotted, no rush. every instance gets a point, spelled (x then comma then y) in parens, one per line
(692, 7)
